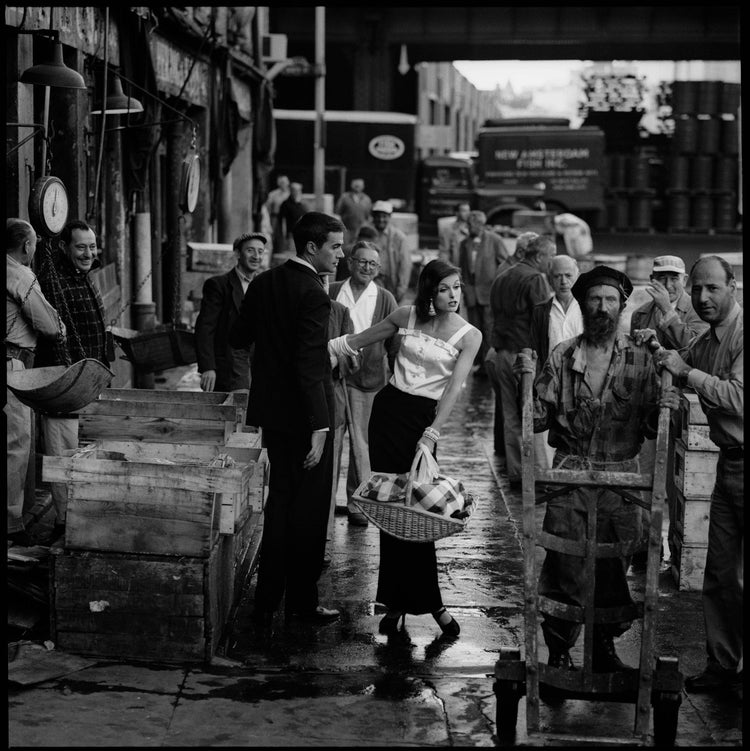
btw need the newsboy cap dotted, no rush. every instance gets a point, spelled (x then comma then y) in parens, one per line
(384, 207)
(602, 275)
(668, 263)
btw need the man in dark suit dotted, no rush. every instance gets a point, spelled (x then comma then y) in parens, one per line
(223, 368)
(285, 314)
(479, 257)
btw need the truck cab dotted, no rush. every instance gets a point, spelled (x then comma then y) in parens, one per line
(442, 183)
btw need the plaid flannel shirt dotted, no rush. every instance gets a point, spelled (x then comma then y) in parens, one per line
(80, 306)
(608, 429)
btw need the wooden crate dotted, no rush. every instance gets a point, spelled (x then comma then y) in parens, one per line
(156, 415)
(694, 424)
(691, 518)
(688, 563)
(149, 505)
(694, 471)
(150, 608)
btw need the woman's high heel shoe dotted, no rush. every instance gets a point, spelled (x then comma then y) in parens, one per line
(389, 624)
(450, 626)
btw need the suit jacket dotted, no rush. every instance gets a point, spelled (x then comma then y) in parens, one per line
(678, 332)
(491, 253)
(285, 313)
(540, 332)
(220, 308)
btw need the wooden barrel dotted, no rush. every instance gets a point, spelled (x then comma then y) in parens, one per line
(702, 212)
(678, 211)
(686, 134)
(638, 268)
(678, 171)
(725, 211)
(641, 211)
(709, 135)
(729, 101)
(639, 172)
(730, 136)
(684, 97)
(725, 173)
(701, 172)
(708, 97)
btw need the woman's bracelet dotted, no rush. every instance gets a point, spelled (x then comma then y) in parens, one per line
(432, 434)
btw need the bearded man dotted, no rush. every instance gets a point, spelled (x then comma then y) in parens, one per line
(598, 395)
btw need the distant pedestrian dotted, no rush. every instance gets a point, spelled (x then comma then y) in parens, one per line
(290, 212)
(713, 367)
(451, 239)
(395, 258)
(273, 203)
(480, 254)
(354, 207)
(28, 317)
(512, 299)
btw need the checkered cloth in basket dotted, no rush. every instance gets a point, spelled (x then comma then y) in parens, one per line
(429, 489)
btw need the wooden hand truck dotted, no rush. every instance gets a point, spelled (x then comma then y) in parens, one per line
(656, 682)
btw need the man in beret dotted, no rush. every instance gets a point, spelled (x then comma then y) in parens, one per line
(598, 395)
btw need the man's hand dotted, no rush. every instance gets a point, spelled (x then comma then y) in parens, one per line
(525, 362)
(669, 359)
(660, 294)
(670, 397)
(208, 380)
(641, 336)
(316, 450)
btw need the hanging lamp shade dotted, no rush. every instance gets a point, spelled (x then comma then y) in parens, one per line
(53, 71)
(117, 102)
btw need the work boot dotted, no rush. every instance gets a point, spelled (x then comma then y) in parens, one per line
(562, 660)
(604, 658)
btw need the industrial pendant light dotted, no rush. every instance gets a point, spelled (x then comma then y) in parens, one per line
(52, 71)
(117, 102)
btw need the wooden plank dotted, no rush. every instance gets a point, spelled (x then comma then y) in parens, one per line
(132, 646)
(123, 621)
(696, 438)
(177, 410)
(180, 452)
(130, 476)
(694, 471)
(72, 597)
(157, 528)
(162, 396)
(153, 430)
(594, 478)
(691, 412)
(688, 564)
(691, 519)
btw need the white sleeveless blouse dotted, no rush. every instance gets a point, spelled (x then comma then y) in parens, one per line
(424, 364)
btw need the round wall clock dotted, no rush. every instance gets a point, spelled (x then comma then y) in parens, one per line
(191, 182)
(48, 205)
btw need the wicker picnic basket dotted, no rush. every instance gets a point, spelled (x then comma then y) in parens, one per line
(411, 523)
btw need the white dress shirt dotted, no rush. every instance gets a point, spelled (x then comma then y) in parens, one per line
(361, 311)
(564, 324)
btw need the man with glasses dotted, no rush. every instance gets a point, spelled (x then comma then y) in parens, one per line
(65, 279)
(223, 368)
(368, 304)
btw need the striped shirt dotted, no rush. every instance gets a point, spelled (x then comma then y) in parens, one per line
(607, 429)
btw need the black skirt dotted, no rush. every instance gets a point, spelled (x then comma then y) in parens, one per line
(408, 577)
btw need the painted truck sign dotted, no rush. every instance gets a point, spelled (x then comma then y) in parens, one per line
(569, 162)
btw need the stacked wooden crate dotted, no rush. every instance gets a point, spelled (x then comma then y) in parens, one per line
(695, 461)
(163, 524)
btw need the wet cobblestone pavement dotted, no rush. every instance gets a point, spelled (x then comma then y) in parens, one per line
(343, 684)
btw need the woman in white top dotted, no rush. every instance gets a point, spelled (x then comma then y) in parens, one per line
(436, 351)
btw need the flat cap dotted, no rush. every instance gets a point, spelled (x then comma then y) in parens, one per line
(602, 275)
(384, 207)
(668, 263)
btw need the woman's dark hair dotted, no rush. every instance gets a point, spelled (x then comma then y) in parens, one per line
(429, 279)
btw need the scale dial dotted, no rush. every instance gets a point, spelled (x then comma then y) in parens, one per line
(48, 205)
(191, 183)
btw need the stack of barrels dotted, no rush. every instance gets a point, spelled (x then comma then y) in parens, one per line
(702, 169)
(631, 190)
